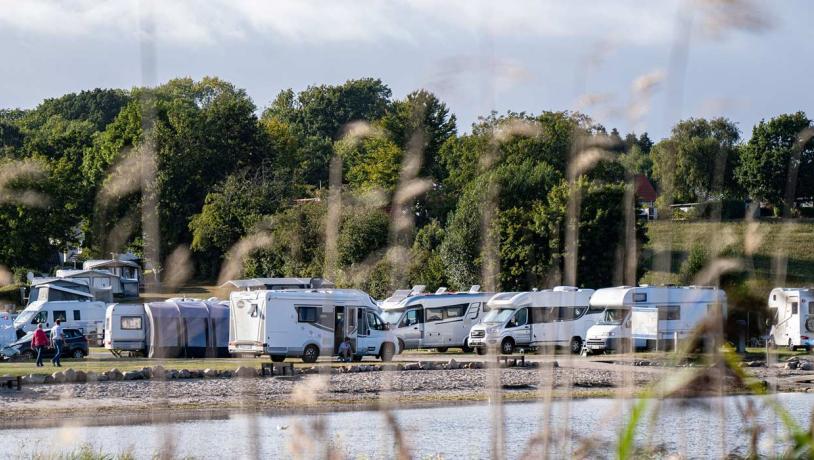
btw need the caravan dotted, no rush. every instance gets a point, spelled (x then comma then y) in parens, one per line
(440, 320)
(176, 328)
(558, 317)
(650, 317)
(791, 311)
(60, 299)
(307, 323)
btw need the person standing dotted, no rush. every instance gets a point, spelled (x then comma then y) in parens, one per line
(39, 343)
(57, 342)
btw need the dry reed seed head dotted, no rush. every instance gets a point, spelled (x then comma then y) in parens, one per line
(356, 131)
(133, 171)
(717, 17)
(517, 127)
(232, 267)
(15, 171)
(309, 391)
(585, 160)
(642, 90)
(6, 277)
(179, 267)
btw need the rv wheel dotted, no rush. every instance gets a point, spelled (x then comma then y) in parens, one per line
(576, 345)
(277, 358)
(507, 346)
(791, 346)
(78, 354)
(356, 358)
(310, 354)
(480, 350)
(387, 352)
(442, 349)
(466, 348)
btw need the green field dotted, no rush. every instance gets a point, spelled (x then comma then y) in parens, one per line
(772, 252)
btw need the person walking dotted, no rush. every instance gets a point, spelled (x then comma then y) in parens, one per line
(39, 343)
(57, 342)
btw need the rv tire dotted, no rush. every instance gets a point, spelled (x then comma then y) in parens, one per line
(507, 346)
(576, 345)
(310, 354)
(387, 352)
(442, 349)
(480, 350)
(356, 358)
(277, 358)
(791, 346)
(466, 348)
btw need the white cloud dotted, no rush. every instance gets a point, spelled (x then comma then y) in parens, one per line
(187, 22)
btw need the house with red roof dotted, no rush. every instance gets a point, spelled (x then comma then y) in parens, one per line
(646, 196)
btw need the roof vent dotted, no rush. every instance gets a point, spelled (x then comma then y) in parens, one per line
(441, 290)
(417, 289)
(565, 289)
(475, 288)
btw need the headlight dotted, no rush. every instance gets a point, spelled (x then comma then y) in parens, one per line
(492, 330)
(611, 334)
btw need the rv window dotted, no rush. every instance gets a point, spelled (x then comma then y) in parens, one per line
(521, 317)
(455, 311)
(363, 326)
(253, 310)
(411, 318)
(579, 311)
(592, 310)
(794, 308)
(60, 315)
(77, 316)
(374, 322)
(435, 314)
(640, 297)
(474, 310)
(669, 312)
(538, 315)
(131, 323)
(351, 322)
(42, 317)
(307, 314)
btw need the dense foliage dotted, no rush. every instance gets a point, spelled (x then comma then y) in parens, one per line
(348, 182)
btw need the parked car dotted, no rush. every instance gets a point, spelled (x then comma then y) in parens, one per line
(76, 346)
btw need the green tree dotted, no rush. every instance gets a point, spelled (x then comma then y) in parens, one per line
(361, 233)
(776, 166)
(697, 161)
(372, 162)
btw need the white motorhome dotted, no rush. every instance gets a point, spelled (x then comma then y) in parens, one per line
(73, 304)
(558, 317)
(440, 320)
(791, 311)
(307, 323)
(650, 317)
(175, 328)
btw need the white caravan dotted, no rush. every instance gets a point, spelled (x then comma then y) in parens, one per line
(553, 317)
(440, 320)
(74, 305)
(791, 311)
(650, 317)
(307, 323)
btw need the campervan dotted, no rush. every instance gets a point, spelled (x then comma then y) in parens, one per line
(440, 320)
(179, 328)
(791, 311)
(307, 323)
(557, 317)
(71, 303)
(650, 317)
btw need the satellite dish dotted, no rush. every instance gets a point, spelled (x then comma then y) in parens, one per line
(29, 276)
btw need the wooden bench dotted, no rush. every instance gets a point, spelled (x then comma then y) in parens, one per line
(517, 359)
(9, 382)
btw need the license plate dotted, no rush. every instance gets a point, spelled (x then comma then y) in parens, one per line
(594, 347)
(246, 347)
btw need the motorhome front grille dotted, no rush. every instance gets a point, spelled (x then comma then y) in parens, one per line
(595, 342)
(478, 333)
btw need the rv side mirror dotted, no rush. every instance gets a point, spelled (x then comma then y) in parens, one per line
(627, 324)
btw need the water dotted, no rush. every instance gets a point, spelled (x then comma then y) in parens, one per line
(704, 428)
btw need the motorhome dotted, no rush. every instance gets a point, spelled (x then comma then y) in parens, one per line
(439, 320)
(650, 317)
(71, 303)
(103, 284)
(129, 272)
(791, 311)
(176, 328)
(307, 323)
(557, 317)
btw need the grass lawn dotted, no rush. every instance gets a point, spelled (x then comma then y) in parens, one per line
(773, 241)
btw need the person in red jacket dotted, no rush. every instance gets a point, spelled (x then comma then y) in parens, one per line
(39, 343)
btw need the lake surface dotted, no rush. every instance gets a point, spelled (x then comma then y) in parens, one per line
(708, 427)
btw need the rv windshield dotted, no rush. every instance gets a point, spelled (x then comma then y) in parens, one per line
(498, 315)
(391, 317)
(24, 318)
(614, 315)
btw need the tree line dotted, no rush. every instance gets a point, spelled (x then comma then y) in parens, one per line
(375, 192)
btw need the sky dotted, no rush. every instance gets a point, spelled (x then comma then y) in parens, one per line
(634, 65)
